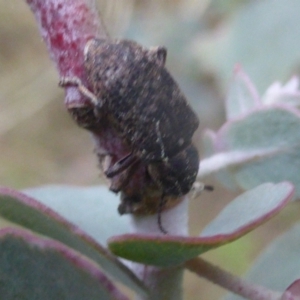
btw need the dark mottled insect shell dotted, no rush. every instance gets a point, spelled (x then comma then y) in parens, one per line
(177, 175)
(140, 97)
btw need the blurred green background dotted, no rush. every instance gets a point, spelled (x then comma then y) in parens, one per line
(40, 144)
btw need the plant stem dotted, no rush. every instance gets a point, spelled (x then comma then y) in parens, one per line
(230, 282)
(66, 26)
(163, 283)
(174, 220)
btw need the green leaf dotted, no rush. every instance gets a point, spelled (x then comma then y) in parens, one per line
(208, 139)
(242, 95)
(263, 36)
(254, 206)
(34, 268)
(249, 209)
(27, 212)
(279, 265)
(287, 94)
(293, 289)
(93, 209)
(272, 135)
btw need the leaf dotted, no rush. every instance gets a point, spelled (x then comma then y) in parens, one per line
(27, 212)
(294, 290)
(242, 95)
(286, 94)
(173, 250)
(94, 209)
(279, 265)
(223, 164)
(271, 136)
(32, 268)
(208, 167)
(262, 36)
(254, 206)
(208, 139)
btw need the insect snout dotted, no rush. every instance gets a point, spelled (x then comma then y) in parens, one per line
(176, 175)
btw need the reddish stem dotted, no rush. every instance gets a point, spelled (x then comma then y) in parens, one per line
(230, 282)
(66, 26)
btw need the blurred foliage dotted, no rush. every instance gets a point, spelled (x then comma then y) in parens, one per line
(39, 143)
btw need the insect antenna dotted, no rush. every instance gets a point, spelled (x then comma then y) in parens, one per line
(161, 204)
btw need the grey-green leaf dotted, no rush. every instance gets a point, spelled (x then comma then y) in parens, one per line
(93, 208)
(249, 208)
(35, 268)
(242, 95)
(262, 36)
(272, 136)
(27, 212)
(171, 250)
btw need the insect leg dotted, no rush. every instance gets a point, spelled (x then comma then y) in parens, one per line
(75, 81)
(161, 204)
(121, 165)
(120, 182)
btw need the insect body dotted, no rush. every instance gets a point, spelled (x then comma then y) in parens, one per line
(132, 91)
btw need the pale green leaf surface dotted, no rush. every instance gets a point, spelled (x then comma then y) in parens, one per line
(93, 209)
(35, 268)
(33, 215)
(248, 208)
(263, 36)
(171, 250)
(242, 95)
(275, 131)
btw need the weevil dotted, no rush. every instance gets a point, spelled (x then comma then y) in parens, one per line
(129, 88)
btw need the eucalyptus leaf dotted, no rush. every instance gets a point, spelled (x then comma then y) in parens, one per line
(242, 95)
(293, 289)
(248, 208)
(93, 209)
(34, 268)
(170, 250)
(262, 35)
(27, 212)
(271, 137)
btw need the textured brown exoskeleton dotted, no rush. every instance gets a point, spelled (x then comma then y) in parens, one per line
(131, 91)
